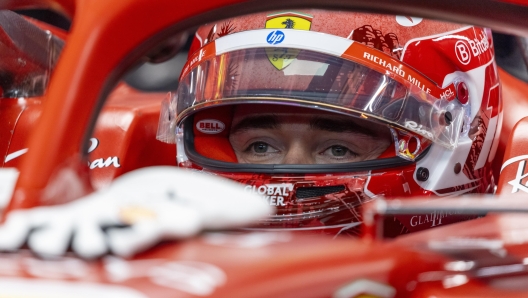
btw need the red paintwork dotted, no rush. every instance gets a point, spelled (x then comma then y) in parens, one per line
(126, 128)
(301, 266)
(513, 137)
(11, 112)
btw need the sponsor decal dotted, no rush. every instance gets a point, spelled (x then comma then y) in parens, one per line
(408, 21)
(418, 128)
(462, 52)
(105, 163)
(467, 48)
(210, 126)
(101, 162)
(396, 68)
(398, 71)
(282, 57)
(204, 53)
(434, 219)
(517, 182)
(198, 57)
(447, 95)
(94, 142)
(274, 194)
(479, 46)
(275, 37)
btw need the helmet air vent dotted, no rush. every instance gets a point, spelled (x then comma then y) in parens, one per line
(311, 192)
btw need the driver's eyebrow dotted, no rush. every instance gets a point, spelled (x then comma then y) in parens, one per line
(333, 125)
(256, 122)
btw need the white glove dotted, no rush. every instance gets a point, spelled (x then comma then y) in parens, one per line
(155, 203)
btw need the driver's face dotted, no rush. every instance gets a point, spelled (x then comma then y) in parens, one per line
(271, 134)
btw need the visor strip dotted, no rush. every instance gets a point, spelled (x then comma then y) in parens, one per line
(323, 43)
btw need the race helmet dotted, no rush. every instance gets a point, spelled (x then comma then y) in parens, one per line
(378, 105)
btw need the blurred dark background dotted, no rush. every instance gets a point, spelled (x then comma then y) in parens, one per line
(510, 52)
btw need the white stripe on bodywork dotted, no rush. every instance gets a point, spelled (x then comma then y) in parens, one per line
(25, 287)
(300, 39)
(8, 179)
(15, 154)
(366, 287)
(512, 160)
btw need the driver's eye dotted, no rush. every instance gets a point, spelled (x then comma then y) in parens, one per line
(339, 150)
(260, 147)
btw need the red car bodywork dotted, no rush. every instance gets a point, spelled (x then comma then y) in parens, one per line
(482, 258)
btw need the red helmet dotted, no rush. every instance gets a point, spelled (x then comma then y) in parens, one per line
(375, 105)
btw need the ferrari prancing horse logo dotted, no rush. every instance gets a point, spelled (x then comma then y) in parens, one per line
(282, 57)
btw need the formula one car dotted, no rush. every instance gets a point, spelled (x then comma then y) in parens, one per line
(52, 128)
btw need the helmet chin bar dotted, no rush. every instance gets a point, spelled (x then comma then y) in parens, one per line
(211, 164)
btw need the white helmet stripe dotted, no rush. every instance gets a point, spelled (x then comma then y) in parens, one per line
(287, 38)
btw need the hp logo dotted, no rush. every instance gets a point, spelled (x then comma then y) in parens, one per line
(275, 37)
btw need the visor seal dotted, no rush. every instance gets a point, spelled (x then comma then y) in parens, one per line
(221, 166)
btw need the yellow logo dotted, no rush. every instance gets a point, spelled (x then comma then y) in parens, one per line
(282, 57)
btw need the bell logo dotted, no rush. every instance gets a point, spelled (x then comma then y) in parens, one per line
(210, 126)
(462, 52)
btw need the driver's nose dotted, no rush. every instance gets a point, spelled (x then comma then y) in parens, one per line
(298, 153)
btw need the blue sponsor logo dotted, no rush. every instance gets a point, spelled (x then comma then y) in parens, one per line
(275, 37)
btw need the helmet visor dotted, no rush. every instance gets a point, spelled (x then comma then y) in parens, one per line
(317, 80)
